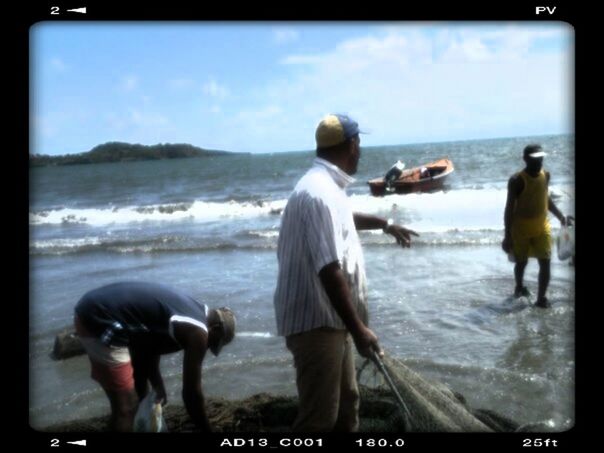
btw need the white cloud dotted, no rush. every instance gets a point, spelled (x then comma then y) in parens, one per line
(354, 54)
(510, 43)
(411, 86)
(471, 49)
(285, 35)
(416, 47)
(216, 90)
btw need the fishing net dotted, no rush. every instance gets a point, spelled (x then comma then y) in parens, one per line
(426, 406)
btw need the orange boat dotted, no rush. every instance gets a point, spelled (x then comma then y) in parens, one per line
(425, 178)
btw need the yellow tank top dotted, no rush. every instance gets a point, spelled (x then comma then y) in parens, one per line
(530, 209)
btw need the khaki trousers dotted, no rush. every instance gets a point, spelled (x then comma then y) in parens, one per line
(326, 381)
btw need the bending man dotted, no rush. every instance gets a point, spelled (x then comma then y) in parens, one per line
(125, 328)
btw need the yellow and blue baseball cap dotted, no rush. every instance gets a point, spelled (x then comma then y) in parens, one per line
(335, 129)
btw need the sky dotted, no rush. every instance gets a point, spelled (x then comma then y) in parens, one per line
(262, 87)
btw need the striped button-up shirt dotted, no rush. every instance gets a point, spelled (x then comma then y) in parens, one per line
(317, 228)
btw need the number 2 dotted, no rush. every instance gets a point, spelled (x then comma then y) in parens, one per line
(54, 442)
(54, 10)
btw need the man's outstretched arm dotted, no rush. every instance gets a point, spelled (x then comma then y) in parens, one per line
(371, 222)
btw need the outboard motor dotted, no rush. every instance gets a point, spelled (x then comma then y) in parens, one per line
(393, 174)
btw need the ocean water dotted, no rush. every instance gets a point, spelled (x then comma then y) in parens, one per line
(209, 226)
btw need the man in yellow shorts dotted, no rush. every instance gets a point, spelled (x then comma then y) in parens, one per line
(527, 230)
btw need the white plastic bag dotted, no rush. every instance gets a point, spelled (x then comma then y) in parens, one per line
(149, 417)
(565, 242)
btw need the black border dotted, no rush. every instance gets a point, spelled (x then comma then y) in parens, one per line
(25, 16)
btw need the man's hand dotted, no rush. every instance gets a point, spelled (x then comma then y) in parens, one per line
(567, 220)
(401, 234)
(160, 396)
(366, 342)
(506, 244)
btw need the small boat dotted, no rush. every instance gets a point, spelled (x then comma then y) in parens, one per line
(425, 178)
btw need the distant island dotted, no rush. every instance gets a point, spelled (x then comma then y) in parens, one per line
(125, 152)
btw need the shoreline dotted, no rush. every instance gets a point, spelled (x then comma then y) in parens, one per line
(265, 412)
(262, 412)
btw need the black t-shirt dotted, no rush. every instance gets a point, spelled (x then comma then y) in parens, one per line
(118, 312)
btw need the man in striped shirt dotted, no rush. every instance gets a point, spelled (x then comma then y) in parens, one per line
(321, 295)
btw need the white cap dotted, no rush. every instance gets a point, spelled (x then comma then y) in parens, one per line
(537, 154)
